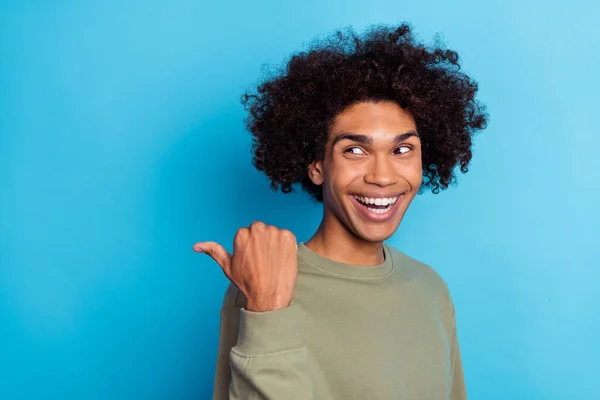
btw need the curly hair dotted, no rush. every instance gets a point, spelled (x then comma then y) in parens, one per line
(290, 113)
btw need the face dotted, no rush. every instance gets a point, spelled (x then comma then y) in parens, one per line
(372, 169)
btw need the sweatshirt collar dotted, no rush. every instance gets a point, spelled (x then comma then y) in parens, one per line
(332, 267)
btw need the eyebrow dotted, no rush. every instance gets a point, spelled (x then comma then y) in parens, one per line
(365, 139)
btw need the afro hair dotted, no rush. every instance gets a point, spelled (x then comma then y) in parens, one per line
(290, 113)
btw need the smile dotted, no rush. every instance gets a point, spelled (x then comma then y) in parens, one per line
(377, 209)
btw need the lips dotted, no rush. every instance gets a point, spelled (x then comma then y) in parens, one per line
(376, 213)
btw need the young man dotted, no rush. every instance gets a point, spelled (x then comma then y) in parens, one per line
(363, 124)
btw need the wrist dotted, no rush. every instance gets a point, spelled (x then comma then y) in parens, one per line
(264, 306)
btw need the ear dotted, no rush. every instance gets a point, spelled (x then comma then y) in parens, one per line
(315, 172)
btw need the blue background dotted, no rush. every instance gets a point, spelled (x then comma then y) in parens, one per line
(122, 143)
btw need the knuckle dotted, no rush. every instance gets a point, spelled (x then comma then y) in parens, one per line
(242, 232)
(241, 235)
(287, 234)
(259, 225)
(237, 240)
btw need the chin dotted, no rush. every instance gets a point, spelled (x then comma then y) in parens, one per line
(375, 235)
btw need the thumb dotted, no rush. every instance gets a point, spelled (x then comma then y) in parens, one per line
(216, 252)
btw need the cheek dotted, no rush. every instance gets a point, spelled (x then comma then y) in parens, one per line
(408, 168)
(341, 175)
(414, 172)
(417, 175)
(338, 179)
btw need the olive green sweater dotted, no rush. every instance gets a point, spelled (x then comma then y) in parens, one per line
(351, 333)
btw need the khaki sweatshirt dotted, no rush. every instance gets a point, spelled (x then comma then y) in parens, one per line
(350, 333)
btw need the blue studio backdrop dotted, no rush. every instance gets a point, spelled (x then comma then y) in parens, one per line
(122, 143)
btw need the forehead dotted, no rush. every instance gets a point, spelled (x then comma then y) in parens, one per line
(371, 118)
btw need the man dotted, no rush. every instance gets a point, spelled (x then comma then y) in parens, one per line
(363, 124)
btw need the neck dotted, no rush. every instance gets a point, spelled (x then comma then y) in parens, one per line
(333, 240)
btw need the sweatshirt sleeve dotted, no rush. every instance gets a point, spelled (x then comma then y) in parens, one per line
(261, 355)
(457, 390)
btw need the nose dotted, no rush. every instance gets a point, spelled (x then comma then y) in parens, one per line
(381, 172)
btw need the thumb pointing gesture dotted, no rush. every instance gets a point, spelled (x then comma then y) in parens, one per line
(263, 266)
(217, 253)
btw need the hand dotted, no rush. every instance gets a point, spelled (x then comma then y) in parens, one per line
(263, 266)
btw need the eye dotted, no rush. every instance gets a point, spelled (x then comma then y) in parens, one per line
(403, 149)
(354, 150)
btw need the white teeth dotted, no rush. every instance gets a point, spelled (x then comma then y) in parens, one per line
(383, 211)
(380, 211)
(379, 201)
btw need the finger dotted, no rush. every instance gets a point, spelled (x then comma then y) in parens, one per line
(216, 252)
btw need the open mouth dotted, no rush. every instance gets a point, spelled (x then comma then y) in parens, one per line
(377, 209)
(377, 205)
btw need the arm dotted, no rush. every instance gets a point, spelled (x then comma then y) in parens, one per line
(261, 354)
(267, 358)
(458, 389)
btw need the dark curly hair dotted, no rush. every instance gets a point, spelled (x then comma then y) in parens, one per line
(291, 112)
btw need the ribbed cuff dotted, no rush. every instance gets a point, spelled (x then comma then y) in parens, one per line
(268, 331)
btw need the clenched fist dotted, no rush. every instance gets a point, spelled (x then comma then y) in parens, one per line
(263, 265)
